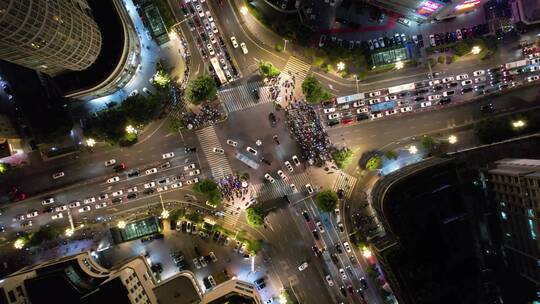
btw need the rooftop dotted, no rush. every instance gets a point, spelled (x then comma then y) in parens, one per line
(178, 289)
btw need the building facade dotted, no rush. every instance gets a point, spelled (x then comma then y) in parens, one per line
(48, 36)
(428, 10)
(515, 189)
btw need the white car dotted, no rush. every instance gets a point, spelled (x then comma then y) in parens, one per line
(168, 155)
(375, 93)
(357, 104)
(289, 166)
(309, 189)
(295, 160)
(135, 92)
(479, 79)
(188, 167)
(535, 60)
(162, 188)
(434, 97)
(251, 150)
(244, 48)
(212, 281)
(61, 208)
(213, 256)
(533, 78)
(196, 263)
(333, 116)
(232, 143)
(117, 193)
(200, 11)
(329, 110)
(320, 226)
(203, 261)
(214, 27)
(151, 171)
(218, 150)
(462, 77)
(74, 204)
(373, 101)
(293, 188)
(209, 16)
(58, 175)
(448, 93)
(113, 180)
(466, 82)
(176, 185)
(32, 214)
(434, 82)
(425, 104)
(234, 42)
(405, 109)
(132, 189)
(103, 196)
(281, 174)
(376, 115)
(110, 162)
(57, 216)
(19, 218)
(194, 172)
(210, 49)
(303, 266)
(342, 272)
(362, 110)
(192, 181)
(329, 280)
(84, 209)
(269, 178)
(390, 97)
(478, 73)
(102, 205)
(149, 185)
(347, 247)
(47, 201)
(89, 200)
(447, 79)
(390, 112)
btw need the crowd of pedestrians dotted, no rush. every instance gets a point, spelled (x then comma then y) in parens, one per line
(277, 85)
(307, 128)
(231, 187)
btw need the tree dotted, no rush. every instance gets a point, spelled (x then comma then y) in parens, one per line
(267, 69)
(313, 90)
(255, 216)
(255, 246)
(176, 124)
(374, 163)
(210, 190)
(342, 157)
(428, 143)
(493, 129)
(391, 154)
(107, 125)
(462, 48)
(139, 109)
(195, 217)
(327, 200)
(201, 89)
(45, 234)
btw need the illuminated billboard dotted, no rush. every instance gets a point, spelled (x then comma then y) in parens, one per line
(467, 4)
(427, 8)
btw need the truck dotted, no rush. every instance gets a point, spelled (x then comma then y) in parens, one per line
(516, 64)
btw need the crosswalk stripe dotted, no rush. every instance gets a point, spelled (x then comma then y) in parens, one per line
(280, 188)
(219, 164)
(298, 68)
(241, 97)
(346, 182)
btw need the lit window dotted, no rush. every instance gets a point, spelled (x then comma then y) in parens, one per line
(503, 204)
(531, 229)
(530, 212)
(503, 215)
(508, 235)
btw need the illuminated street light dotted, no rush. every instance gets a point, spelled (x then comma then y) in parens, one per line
(366, 253)
(244, 10)
(121, 224)
(399, 65)
(19, 243)
(131, 129)
(341, 66)
(90, 142)
(476, 50)
(452, 139)
(69, 232)
(413, 149)
(165, 214)
(518, 124)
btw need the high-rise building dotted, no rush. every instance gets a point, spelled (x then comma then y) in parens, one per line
(49, 36)
(515, 189)
(424, 10)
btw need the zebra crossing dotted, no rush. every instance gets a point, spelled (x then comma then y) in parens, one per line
(242, 97)
(346, 182)
(280, 188)
(230, 218)
(218, 163)
(297, 68)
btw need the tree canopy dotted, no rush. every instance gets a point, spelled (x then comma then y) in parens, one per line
(255, 216)
(267, 69)
(342, 157)
(210, 190)
(327, 200)
(313, 90)
(201, 89)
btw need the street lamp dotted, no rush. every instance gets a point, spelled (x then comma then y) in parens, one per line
(476, 50)
(69, 232)
(131, 129)
(244, 10)
(518, 124)
(452, 139)
(399, 65)
(19, 243)
(341, 66)
(413, 149)
(121, 224)
(164, 213)
(366, 253)
(90, 142)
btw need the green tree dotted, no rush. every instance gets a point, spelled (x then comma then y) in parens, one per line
(195, 217)
(391, 154)
(342, 157)
(267, 69)
(176, 124)
(313, 90)
(327, 200)
(210, 190)
(428, 143)
(255, 246)
(278, 47)
(374, 163)
(255, 216)
(44, 234)
(201, 89)
(107, 125)
(462, 48)
(139, 109)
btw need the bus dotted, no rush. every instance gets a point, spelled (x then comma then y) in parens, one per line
(401, 88)
(350, 98)
(248, 161)
(219, 71)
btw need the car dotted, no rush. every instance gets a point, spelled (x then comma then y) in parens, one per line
(425, 104)
(341, 227)
(343, 274)
(196, 263)
(232, 143)
(434, 82)
(303, 266)
(479, 79)
(329, 280)
(362, 110)
(466, 90)
(168, 155)
(462, 76)
(333, 116)
(60, 208)
(296, 161)
(432, 41)
(20, 217)
(103, 196)
(132, 189)
(149, 185)
(32, 213)
(26, 224)
(376, 115)
(84, 209)
(192, 181)
(390, 112)
(466, 82)
(199, 10)
(406, 109)
(347, 247)
(251, 150)
(214, 27)
(162, 188)
(533, 78)
(89, 200)
(244, 48)
(190, 166)
(309, 188)
(281, 174)
(390, 97)
(117, 193)
(269, 178)
(194, 172)
(210, 49)
(447, 79)
(293, 188)
(363, 281)
(486, 109)
(47, 201)
(478, 73)
(110, 162)
(176, 185)
(213, 256)
(320, 226)
(58, 175)
(190, 149)
(434, 97)
(218, 150)
(210, 278)
(289, 166)
(535, 60)
(306, 215)
(329, 110)
(74, 204)
(57, 216)
(448, 93)
(151, 171)
(374, 94)
(119, 167)
(133, 93)
(113, 180)
(101, 205)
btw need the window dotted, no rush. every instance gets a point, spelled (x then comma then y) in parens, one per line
(531, 229)
(530, 213)
(503, 215)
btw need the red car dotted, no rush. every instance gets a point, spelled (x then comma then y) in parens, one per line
(347, 121)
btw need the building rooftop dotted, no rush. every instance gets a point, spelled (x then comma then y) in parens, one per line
(178, 289)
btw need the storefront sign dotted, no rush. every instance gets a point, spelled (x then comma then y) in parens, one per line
(427, 8)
